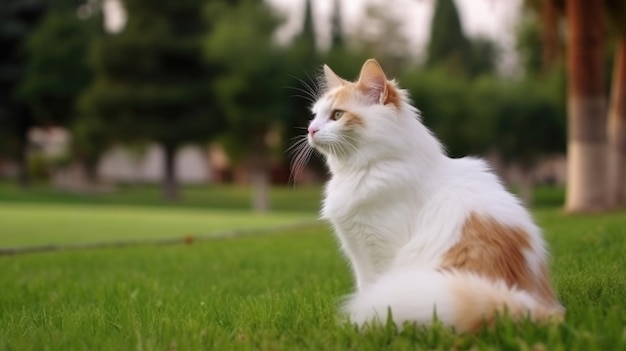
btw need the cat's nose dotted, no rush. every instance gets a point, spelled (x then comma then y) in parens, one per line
(313, 130)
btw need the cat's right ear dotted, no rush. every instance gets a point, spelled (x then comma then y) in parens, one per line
(373, 82)
(332, 79)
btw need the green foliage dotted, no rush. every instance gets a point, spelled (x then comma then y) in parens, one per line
(17, 20)
(151, 81)
(381, 35)
(337, 37)
(532, 120)
(56, 71)
(447, 42)
(449, 47)
(307, 36)
(521, 120)
(529, 44)
(252, 76)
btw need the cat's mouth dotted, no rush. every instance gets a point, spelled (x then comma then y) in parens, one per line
(319, 143)
(336, 146)
(314, 142)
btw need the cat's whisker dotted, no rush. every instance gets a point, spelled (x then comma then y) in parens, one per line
(308, 93)
(312, 91)
(299, 162)
(345, 140)
(297, 147)
(303, 149)
(314, 86)
(306, 98)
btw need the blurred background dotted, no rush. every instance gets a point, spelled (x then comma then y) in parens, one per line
(99, 96)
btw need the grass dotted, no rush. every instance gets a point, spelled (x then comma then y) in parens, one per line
(26, 224)
(271, 292)
(282, 199)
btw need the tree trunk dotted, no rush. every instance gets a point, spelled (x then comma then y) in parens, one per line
(170, 181)
(550, 35)
(616, 130)
(259, 173)
(527, 185)
(586, 139)
(21, 156)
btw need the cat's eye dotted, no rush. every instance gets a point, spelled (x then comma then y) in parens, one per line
(336, 114)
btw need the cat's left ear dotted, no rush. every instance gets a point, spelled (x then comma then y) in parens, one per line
(373, 82)
(332, 79)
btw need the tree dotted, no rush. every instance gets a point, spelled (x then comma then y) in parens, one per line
(529, 45)
(337, 38)
(549, 14)
(616, 128)
(55, 74)
(250, 88)
(449, 46)
(530, 124)
(586, 140)
(152, 83)
(17, 20)
(381, 35)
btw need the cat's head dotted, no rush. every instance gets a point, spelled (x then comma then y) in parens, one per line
(359, 123)
(357, 118)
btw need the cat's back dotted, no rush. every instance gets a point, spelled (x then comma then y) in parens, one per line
(472, 186)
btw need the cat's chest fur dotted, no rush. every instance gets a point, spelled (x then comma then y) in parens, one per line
(373, 214)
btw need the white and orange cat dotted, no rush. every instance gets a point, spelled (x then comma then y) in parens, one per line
(425, 234)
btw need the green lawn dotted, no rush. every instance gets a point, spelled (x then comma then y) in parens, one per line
(272, 292)
(24, 224)
(284, 199)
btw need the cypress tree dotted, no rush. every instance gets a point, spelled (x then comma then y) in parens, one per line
(448, 44)
(336, 34)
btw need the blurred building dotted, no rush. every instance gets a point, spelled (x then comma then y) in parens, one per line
(121, 164)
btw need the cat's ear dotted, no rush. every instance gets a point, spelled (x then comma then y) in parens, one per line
(332, 79)
(373, 82)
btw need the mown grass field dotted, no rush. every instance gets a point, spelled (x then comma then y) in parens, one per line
(272, 292)
(23, 224)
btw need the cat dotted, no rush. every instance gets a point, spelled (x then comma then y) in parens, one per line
(425, 234)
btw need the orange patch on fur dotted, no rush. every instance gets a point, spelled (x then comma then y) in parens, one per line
(544, 286)
(350, 119)
(495, 251)
(392, 97)
(344, 94)
(481, 305)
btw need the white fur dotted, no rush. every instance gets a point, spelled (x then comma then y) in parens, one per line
(417, 295)
(397, 204)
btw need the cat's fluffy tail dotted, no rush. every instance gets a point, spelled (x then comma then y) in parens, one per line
(461, 300)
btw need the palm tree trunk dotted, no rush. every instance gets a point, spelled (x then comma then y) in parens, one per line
(550, 35)
(616, 130)
(586, 140)
(170, 180)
